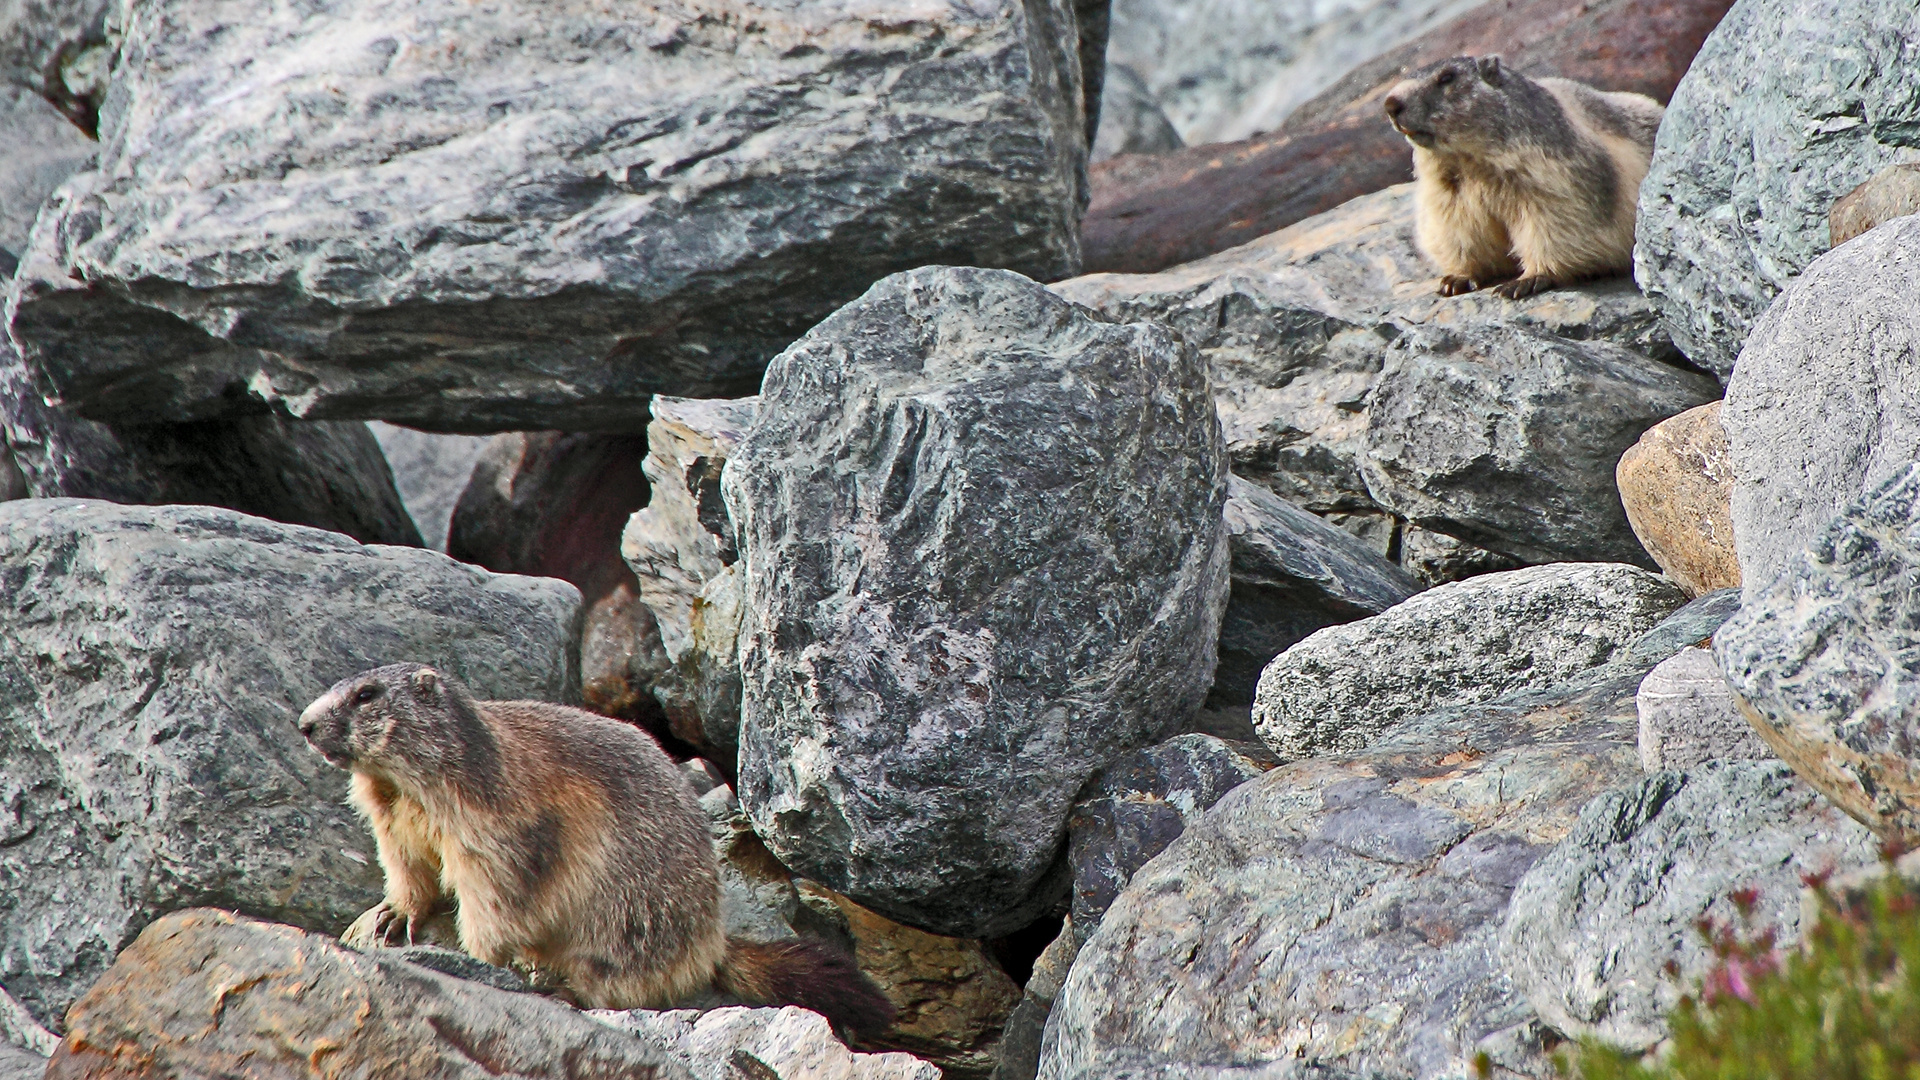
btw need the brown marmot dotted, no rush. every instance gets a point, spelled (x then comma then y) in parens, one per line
(569, 843)
(1531, 182)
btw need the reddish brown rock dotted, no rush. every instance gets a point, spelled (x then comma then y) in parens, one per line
(1676, 484)
(1152, 212)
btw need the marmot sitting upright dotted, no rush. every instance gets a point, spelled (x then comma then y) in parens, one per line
(1518, 178)
(569, 842)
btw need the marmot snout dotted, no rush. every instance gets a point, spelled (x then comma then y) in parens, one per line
(1524, 181)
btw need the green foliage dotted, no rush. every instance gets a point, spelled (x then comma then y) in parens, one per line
(1846, 1006)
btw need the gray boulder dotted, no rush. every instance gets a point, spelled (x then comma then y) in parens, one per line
(1130, 120)
(983, 556)
(1825, 403)
(18, 1064)
(1507, 437)
(1789, 105)
(43, 149)
(155, 659)
(480, 219)
(430, 471)
(18, 1029)
(1687, 715)
(1595, 923)
(59, 50)
(763, 1044)
(1458, 644)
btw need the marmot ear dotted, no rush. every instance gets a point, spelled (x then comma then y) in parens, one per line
(1491, 71)
(426, 682)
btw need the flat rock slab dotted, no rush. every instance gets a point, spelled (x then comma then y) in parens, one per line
(983, 551)
(489, 218)
(152, 663)
(43, 149)
(1597, 920)
(1790, 105)
(1687, 715)
(1676, 485)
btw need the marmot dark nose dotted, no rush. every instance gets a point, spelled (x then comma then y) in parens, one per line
(1394, 105)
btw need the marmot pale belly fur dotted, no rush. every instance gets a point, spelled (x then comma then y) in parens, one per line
(569, 842)
(1531, 182)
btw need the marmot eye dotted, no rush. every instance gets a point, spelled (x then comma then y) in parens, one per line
(1444, 78)
(366, 694)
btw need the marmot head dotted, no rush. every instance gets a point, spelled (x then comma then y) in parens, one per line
(1461, 105)
(405, 722)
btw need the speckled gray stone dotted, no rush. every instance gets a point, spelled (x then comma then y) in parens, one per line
(1687, 715)
(43, 149)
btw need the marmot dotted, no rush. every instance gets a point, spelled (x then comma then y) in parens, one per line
(569, 843)
(1528, 181)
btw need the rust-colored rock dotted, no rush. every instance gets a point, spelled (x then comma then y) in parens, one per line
(1892, 192)
(1677, 486)
(1151, 212)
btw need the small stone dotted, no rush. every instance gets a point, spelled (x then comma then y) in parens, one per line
(1434, 558)
(1687, 716)
(761, 1044)
(1676, 484)
(461, 966)
(1892, 192)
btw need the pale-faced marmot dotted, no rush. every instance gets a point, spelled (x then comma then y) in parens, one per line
(568, 841)
(1528, 181)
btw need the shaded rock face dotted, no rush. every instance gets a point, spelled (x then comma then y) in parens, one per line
(765, 1044)
(1020, 1050)
(1890, 193)
(1687, 716)
(1507, 437)
(430, 471)
(1594, 924)
(1822, 661)
(488, 219)
(155, 660)
(1790, 105)
(1676, 485)
(1470, 641)
(1825, 403)
(983, 553)
(1131, 122)
(43, 149)
(59, 50)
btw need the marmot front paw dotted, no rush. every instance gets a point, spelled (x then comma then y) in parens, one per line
(1521, 288)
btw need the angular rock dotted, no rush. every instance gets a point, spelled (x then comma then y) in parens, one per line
(1676, 485)
(1892, 192)
(58, 50)
(1020, 1050)
(20, 1030)
(430, 471)
(1435, 558)
(1292, 574)
(1152, 212)
(484, 219)
(1141, 803)
(1687, 716)
(43, 149)
(154, 661)
(1790, 105)
(1825, 403)
(18, 1064)
(1823, 661)
(1130, 120)
(983, 553)
(1507, 437)
(1458, 644)
(762, 1044)
(1594, 924)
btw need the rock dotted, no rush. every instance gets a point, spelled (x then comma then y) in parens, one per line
(1687, 716)
(207, 993)
(1020, 1049)
(1141, 803)
(430, 471)
(1458, 644)
(1435, 558)
(18, 1064)
(452, 962)
(501, 220)
(761, 1044)
(1676, 485)
(1150, 212)
(1596, 921)
(18, 1029)
(552, 505)
(1292, 574)
(1507, 437)
(1822, 661)
(155, 659)
(1825, 403)
(57, 49)
(1130, 121)
(1892, 192)
(43, 150)
(983, 557)
(1790, 105)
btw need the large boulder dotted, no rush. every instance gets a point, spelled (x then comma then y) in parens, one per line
(43, 149)
(1595, 924)
(1470, 641)
(983, 555)
(1687, 715)
(493, 218)
(1676, 485)
(154, 662)
(1825, 403)
(1824, 660)
(1790, 105)
(430, 471)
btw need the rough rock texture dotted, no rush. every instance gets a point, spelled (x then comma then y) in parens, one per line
(152, 661)
(1467, 642)
(1020, 1050)
(478, 219)
(983, 556)
(761, 1044)
(1687, 716)
(1790, 105)
(1292, 574)
(1435, 558)
(552, 505)
(1141, 803)
(1507, 437)
(1150, 212)
(1594, 924)
(1676, 485)
(430, 471)
(1131, 122)
(1823, 661)
(206, 993)
(18, 1064)
(43, 149)
(1892, 192)
(59, 50)
(19, 1029)
(1826, 401)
